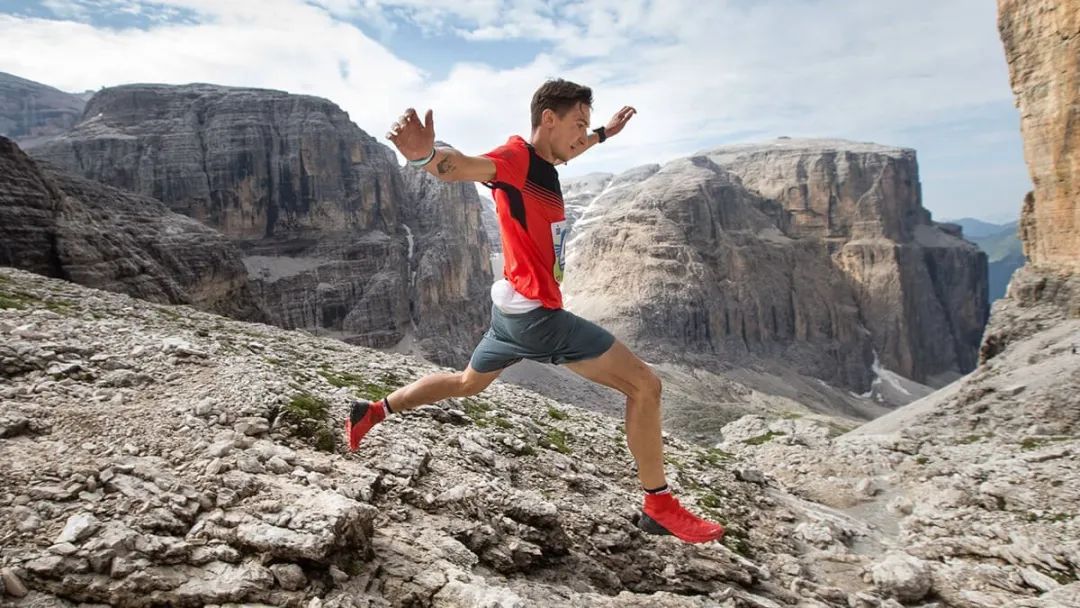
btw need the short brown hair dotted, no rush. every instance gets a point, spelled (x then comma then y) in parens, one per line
(559, 96)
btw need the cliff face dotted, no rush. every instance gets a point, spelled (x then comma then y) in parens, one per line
(449, 265)
(1042, 47)
(30, 110)
(319, 207)
(921, 289)
(62, 226)
(817, 253)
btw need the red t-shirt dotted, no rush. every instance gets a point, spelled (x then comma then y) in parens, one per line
(532, 224)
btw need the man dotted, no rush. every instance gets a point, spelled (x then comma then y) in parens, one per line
(527, 317)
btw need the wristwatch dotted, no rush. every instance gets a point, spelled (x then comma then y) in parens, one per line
(600, 133)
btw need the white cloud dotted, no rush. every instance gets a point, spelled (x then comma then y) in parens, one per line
(699, 73)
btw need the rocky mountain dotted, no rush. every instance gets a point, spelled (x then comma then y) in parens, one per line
(30, 110)
(972, 490)
(332, 233)
(976, 228)
(72, 228)
(1040, 40)
(815, 253)
(1004, 253)
(491, 222)
(160, 455)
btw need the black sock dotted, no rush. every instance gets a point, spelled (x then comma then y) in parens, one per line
(661, 490)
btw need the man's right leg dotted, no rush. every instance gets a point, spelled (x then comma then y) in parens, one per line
(436, 387)
(431, 388)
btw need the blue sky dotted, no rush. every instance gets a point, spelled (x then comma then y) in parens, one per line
(924, 74)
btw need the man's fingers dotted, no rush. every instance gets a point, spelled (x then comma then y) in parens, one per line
(429, 120)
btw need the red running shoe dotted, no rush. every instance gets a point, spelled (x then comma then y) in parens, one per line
(663, 514)
(362, 417)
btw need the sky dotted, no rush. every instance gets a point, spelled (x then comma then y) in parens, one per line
(924, 74)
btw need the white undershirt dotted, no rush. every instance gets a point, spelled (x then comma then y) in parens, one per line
(509, 300)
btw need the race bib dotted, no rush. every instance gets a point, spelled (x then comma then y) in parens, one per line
(558, 239)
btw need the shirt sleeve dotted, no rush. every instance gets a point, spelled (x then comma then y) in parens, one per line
(511, 163)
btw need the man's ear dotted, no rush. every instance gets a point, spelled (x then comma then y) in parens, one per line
(547, 117)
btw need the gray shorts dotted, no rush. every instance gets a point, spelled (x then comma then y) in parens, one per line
(546, 335)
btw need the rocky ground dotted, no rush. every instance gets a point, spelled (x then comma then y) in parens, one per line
(160, 455)
(972, 490)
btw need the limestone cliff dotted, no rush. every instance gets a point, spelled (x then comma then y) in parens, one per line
(1042, 47)
(921, 289)
(31, 110)
(318, 206)
(815, 253)
(63, 226)
(449, 267)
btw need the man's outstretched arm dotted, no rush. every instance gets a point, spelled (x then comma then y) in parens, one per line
(612, 128)
(416, 142)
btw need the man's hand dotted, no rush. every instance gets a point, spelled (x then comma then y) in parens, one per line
(413, 139)
(619, 121)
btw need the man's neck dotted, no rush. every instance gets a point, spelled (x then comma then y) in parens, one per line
(542, 147)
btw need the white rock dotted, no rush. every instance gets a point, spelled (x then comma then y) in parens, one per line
(901, 575)
(77, 528)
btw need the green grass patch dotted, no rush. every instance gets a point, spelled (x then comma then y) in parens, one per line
(169, 312)
(1034, 443)
(556, 440)
(309, 414)
(557, 414)
(305, 405)
(7, 301)
(371, 390)
(19, 300)
(502, 423)
(715, 456)
(475, 408)
(710, 501)
(342, 379)
(922, 459)
(737, 543)
(764, 438)
(836, 429)
(790, 415)
(971, 439)
(1063, 578)
(325, 440)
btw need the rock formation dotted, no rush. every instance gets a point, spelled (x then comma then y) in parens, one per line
(318, 207)
(816, 253)
(63, 226)
(159, 455)
(30, 110)
(1042, 47)
(450, 269)
(972, 489)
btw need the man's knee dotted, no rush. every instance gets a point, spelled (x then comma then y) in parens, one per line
(648, 386)
(471, 384)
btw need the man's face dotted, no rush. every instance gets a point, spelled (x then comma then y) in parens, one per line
(570, 132)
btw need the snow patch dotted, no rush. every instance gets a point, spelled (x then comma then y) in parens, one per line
(883, 376)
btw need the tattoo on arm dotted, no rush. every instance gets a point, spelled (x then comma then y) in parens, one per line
(445, 166)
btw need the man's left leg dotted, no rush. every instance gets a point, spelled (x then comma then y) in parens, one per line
(623, 371)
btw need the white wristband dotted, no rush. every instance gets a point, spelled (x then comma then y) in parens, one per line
(420, 162)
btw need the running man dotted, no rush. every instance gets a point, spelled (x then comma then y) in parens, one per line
(527, 317)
